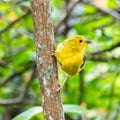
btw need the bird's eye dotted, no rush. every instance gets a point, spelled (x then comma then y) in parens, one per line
(80, 41)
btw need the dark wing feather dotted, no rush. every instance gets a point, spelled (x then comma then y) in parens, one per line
(84, 58)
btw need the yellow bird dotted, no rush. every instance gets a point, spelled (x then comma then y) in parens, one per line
(70, 54)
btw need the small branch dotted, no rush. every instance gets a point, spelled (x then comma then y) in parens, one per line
(14, 22)
(19, 1)
(10, 101)
(111, 95)
(17, 74)
(108, 49)
(111, 13)
(117, 112)
(67, 117)
(103, 59)
(68, 13)
(3, 63)
(81, 86)
(95, 16)
(29, 82)
(23, 94)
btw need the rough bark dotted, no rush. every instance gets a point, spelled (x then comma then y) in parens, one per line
(46, 63)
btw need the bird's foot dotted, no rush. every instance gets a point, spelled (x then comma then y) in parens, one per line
(53, 54)
(59, 87)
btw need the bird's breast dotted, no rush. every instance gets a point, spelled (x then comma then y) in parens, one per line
(72, 64)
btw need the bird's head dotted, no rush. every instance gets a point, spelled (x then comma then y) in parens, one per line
(80, 42)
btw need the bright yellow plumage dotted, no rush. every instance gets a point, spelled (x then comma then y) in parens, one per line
(70, 54)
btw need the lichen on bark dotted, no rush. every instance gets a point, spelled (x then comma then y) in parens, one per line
(46, 63)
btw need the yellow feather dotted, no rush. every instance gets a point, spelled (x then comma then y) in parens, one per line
(70, 54)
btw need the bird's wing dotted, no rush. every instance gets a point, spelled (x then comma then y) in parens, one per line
(84, 58)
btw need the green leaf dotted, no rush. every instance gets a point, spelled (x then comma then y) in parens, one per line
(29, 113)
(76, 109)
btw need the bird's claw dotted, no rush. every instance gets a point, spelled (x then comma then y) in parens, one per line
(59, 87)
(53, 54)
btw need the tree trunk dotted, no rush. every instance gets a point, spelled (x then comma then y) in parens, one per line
(46, 62)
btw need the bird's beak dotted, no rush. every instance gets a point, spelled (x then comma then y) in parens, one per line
(88, 41)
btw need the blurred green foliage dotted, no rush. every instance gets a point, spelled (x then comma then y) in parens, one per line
(95, 88)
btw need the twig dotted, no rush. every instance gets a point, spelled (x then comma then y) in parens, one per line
(108, 49)
(103, 59)
(96, 16)
(3, 63)
(17, 74)
(81, 86)
(66, 17)
(111, 96)
(19, 1)
(117, 111)
(30, 81)
(23, 94)
(111, 13)
(10, 101)
(14, 22)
